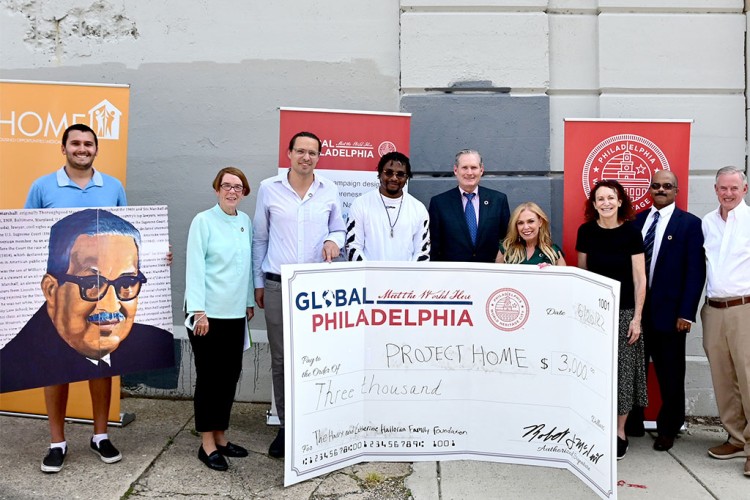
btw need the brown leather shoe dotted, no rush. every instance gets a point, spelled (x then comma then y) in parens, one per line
(747, 467)
(663, 443)
(727, 450)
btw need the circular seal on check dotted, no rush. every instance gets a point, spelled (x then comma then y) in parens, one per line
(386, 147)
(629, 159)
(507, 309)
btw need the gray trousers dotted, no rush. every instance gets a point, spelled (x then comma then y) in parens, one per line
(275, 328)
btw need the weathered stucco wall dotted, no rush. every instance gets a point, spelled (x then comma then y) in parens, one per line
(206, 81)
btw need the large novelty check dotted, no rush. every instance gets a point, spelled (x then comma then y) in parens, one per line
(444, 361)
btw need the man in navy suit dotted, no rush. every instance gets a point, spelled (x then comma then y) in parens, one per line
(676, 275)
(467, 223)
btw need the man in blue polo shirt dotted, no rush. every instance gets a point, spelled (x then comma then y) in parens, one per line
(77, 185)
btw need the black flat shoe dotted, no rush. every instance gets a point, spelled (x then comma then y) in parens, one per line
(663, 443)
(634, 424)
(213, 461)
(232, 450)
(276, 449)
(622, 448)
(635, 432)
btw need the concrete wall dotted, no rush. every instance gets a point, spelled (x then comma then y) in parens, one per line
(496, 75)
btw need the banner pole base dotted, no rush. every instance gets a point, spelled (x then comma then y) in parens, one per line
(272, 419)
(125, 418)
(650, 425)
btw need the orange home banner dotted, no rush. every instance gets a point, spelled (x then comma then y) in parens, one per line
(33, 117)
(629, 151)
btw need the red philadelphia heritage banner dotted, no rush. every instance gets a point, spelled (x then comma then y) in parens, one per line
(629, 152)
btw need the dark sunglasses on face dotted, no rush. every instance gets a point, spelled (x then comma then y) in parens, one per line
(390, 173)
(667, 186)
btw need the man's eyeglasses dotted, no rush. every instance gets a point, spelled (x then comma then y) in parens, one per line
(237, 188)
(390, 173)
(303, 152)
(94, 288)
(668, 186)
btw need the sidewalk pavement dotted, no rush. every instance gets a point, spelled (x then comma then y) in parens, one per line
(159, 461)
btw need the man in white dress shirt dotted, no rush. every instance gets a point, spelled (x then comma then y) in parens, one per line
(297, 220)
(726, 313)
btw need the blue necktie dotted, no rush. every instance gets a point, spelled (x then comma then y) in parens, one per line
(471, 217)
(648, 242)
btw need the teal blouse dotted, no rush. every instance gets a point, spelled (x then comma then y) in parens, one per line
(218, 277)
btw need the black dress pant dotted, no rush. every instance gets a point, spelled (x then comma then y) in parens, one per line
(218, 364)
(667, 351)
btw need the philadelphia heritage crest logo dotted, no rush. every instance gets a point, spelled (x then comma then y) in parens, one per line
(629, 159)
(507, 309)
(386, 147)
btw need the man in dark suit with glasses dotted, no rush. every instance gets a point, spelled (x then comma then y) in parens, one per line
(676, 272)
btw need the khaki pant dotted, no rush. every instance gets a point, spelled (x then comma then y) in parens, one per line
(726, 340)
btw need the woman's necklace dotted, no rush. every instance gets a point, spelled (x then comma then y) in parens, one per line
(530, 252)
(392, 224)
(608, 224)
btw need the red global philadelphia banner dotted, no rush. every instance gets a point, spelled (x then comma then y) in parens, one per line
(629, 152)
(352, 140)
(353, 143)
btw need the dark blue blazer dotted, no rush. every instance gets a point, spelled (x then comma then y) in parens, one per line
(449, 233)
(679, 272)
(39, 357)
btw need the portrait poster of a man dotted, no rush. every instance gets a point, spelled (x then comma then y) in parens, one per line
(103, 307)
